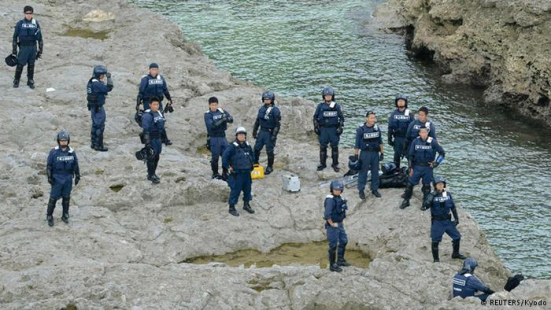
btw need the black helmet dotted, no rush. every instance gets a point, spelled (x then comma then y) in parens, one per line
(328, 91)
(401, 97)
(439, 179)
(145, 154)
(63, 135)
(268, 95)
(99, 71)
(11, 60)
(354, 163)
(336, 184)
(389, 168)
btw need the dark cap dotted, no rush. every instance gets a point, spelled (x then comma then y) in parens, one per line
(368, 113)
(28, 8)
(213, 100)
(153, 65)
(424, 109)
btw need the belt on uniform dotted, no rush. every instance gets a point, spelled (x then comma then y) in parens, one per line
(442, 218)
(266, 129)
(219, 135)
(330, 126)
(27, 43)
(421, 164)
(371, 149)
(400, 136)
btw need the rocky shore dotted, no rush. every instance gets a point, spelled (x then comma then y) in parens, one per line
(127, 241)
(501, 46)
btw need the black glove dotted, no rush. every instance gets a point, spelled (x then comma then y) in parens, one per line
(255, 134)
(489, 291)
(147, 140)
(427, 202)
(77, 179)
(208, 143)
(14, 51)
(317, 130)
(50, 176)
(456, 222)
(381, 157)
(108, 75)
(390, 141)
(38, 54)
(339, 130)
(274, 138)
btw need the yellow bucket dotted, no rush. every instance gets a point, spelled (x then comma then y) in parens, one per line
(258, 172)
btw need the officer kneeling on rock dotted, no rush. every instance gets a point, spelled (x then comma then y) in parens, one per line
(238, 158)
(96, 93)
(466, 284)
(369, 140)
(421, 154)
(440, 203)
(217, 121)
(26, 35)
(153, 124)
(335, 213)
(61, 167)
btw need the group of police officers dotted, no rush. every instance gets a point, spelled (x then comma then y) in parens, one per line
(412, 138)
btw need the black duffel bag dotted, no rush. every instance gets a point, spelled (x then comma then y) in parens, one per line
(398, 179)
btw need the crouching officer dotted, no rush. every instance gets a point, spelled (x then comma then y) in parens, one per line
(217, 121)
(335, 213)
(329, 125)
(413, 128)
(466, 284)
(269, 121)
(153, 124)
(154, 85)
(398, 124)
(238, 158)
(26, 35)
(370, 141)
(440, 203)
(421, 155)
(96, 93)
(62, 165)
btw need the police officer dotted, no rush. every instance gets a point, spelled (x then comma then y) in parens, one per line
(421, 163)
(62, 166)
(26, 35)
(329, 125)
(398, 124)
(440, 203)
(96, 93)
(153, 124)
(466, 284)
(217, 121)
(269, 121)
(154, 85)
(370, 141)
(335, 213)
(413, 128)
(238, 158)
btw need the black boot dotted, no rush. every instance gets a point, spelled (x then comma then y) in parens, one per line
(376, 193)
(332, 265)
(456, 253)
(17, 78)
(50, 211)
(397, 161)
(164, 138)
(100, 147)
(93, 144)
(407, 196)
(434, 248)
(214, 168)
(335, 158)
(341, 261)
(256, 157)
(247, 207)
(362, 195)
(151, 171)
(426, 191)
(271, 158)
(233, 211)
(323, 158)
(30, 75)
(65, 204)
(225, 174)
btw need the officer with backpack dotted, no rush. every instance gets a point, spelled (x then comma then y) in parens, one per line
(96, 93)
(26, 36)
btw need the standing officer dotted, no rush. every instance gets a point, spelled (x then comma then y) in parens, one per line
(217, 121)
(335, 213)
(96, 93)
(413, 129)
(62, 165)
(328, 125)
(398, 124)
(421, 154)
(369, 139)
(440, 203)
(269, 121)
(466, 284)
(154, 85)
(153, 124)
(239, 158)
(26, 34)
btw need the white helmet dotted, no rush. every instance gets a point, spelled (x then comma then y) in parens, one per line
(240, 130)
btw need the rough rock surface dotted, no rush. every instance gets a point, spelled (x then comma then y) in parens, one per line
(502, 46)
(127, 239)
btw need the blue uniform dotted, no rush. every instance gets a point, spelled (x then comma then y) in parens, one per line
(369, 140)
(413, 131)
(441, 207)
(421, 153)
(467, 284)
(269, 121)
(240, 157)
(216, 123)
(96, 94)
(335, 209)
(62, 165)
(398, 124)
(153, 124)
(26, 35)
(153, 87)
(329, 118)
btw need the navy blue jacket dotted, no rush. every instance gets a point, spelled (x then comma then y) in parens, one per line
(467, 284)
(423, 152)
(398, 123)
(335, 208)
(96, 92)
(239, 156)
(153, 123)
(62, 164)
(413, 131)
(327, 116)
(441, 204)
(217, 122)
(27, 32)
(153, 87)
(368, 137)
